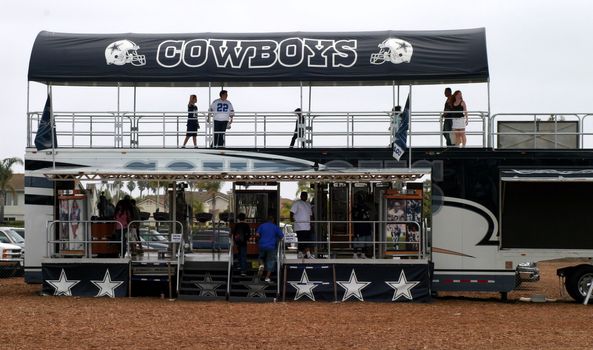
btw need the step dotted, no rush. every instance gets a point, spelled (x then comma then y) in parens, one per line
(206, 265)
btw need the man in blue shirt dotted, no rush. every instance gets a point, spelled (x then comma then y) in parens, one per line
(268, 234)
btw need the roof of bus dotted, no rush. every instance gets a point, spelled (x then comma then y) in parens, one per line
(260, 59)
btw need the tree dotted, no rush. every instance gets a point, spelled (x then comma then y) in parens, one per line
(5, 176)
(117, 185)
(303, 186)
(142, 185)
(131, 185)
(285, 206)
(212, 187)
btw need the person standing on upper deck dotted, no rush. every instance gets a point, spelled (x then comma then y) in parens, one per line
(223, 112)
(192, 121)
(300, 214)
(448, 122)
(299, 129)
(459, 118)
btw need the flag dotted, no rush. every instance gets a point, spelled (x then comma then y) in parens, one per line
(401, 133)
(45, 130)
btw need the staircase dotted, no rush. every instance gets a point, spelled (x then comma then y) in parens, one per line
(144, 273)
(252, 287)
(203, 280)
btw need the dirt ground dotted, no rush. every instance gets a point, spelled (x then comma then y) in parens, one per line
(452, 321)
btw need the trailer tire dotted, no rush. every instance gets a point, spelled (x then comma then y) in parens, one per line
(576, 282)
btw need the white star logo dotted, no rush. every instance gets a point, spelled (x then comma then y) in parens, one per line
(256, 288)
(353, 287)
(402, 287)
(107, 286)
(208, 286)
(63, 286)
(304, 287)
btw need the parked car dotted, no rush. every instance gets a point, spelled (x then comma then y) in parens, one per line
(19, 230)
(290, 237)
(8, 235)
(211, 239)
(153, 240)
(528, 272)
(11, 260)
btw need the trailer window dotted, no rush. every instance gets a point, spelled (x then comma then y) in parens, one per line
(546, 215)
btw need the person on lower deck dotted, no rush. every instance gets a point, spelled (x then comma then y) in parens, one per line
(363, 231)
(268, 235)
(241, 233)
(300, 214)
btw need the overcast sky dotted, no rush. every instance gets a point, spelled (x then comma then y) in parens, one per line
(539, 52)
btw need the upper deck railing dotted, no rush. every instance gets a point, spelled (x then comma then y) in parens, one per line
(320, 129)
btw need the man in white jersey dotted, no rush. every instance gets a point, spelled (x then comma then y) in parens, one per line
(300, 215)
(223, 112)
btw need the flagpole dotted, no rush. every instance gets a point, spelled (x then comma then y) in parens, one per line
(29, 143)
(53, 125)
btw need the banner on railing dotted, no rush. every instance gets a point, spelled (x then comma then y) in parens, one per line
(85, 279)
(362, 282)
(46, 132)
(400, 139)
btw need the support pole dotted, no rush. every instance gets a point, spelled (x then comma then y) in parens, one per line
(410, 128)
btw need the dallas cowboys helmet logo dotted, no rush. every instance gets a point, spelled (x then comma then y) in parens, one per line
(122, 52)
(393, 50)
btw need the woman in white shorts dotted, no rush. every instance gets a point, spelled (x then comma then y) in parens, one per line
(459, 115)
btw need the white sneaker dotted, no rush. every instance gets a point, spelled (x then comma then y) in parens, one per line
(362, 256)
(308, 255)
(354, 256)
(299, 255)
(268, 280)
(260, 270)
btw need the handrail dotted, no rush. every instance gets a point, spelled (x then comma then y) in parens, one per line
(229, 269)
(178, 229)
(249, 129)
(180, 262)
(279, 258)
(421, 251)
(86, 243)
(536, 118)
(164, 129)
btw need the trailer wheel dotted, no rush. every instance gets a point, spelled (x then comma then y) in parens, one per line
(577, 283)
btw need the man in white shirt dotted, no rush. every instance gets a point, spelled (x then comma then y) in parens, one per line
(300, 215)
(223, 112)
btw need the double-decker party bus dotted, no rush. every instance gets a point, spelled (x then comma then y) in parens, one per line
(397, 214)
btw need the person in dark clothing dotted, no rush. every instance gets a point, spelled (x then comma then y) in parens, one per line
(363, 231)
(241, 233)
(448, 122)
(299, 129)
(135, 234)
(124, 214)
(192, 121)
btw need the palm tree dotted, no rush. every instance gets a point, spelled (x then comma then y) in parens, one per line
(142, 185)
(131, 185)
(212, 187)
(5, 176)
(117, 185)
(303, 186)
